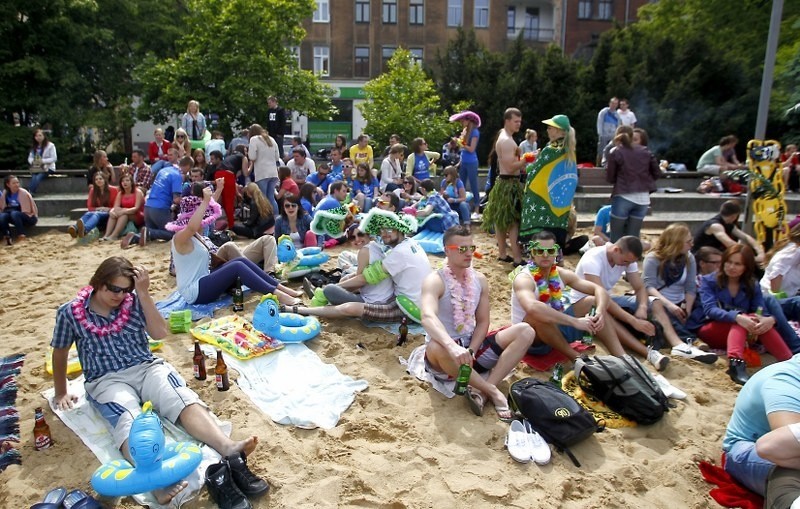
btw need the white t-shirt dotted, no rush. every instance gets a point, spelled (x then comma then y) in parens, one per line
(383, 291)
(595, 262)
(626, 118)
(408, 265)
(302, 172)
(786, 263)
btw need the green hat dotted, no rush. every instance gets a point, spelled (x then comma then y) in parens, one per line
(378, 219)
(330, 222)
(558, 121)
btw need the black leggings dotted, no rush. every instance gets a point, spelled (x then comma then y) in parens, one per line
(218, 282)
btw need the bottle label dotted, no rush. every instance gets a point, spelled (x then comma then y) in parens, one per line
(42, 441)
(218, 379)
(196, 371)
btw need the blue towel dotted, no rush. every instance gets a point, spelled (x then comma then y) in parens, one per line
(177, 303)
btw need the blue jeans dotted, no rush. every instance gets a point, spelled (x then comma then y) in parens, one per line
(626, 217)
(19, 219)
(784, 310)
(468, 173)
(92, 220)
(37, 179)
(267, 187)
(747, 467)
(155, 220)
(463, 211)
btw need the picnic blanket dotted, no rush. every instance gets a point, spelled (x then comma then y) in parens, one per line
(174, 302)
(86, 422)
(9, 415)
(293, 386)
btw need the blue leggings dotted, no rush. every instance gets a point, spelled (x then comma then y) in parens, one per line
(468, 173)
(218, 282)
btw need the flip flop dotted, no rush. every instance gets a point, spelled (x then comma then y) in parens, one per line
(475, 401)
(52, 500)
(77, 499)
(504, 410)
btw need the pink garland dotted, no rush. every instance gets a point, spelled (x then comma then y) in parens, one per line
(79, 312)
(462, 298)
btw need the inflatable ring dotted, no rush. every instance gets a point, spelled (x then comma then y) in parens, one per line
(202, 142)
(409, 309)
(156, 467)
(286, 327)
(297, 263)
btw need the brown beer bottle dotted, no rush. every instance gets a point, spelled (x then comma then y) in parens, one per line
(41, 432)
(403, 336)
(198, 362)
(221, 373)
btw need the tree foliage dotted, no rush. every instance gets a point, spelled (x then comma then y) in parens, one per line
(404, 101)
(239, 58)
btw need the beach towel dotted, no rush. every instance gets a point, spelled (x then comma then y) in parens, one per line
(9, 415)
(293, 386)
(602, 414)
(86, 422)
(394, 327)
(176, 303)
(415, 366)
(728, 492)
(547, 361)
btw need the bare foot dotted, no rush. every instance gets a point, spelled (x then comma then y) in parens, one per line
(247, 446)
(165, 495)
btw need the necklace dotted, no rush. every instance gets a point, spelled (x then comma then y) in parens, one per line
(79, 312)
(549, 287)
(462, 298)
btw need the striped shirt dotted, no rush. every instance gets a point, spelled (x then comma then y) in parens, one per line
(100, 355)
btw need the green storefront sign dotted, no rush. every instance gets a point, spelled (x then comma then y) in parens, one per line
(351, 93)
(322, 134)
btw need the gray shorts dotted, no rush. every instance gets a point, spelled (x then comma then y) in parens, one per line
(119, 396)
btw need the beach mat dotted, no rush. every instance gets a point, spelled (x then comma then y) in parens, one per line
(550, 359)
(728, 492)
(599, 410)
(86, 422)
(293, 386)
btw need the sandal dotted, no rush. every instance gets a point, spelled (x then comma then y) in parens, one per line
(475, 401)
(504, 413)
(507, 259)
(52, 500)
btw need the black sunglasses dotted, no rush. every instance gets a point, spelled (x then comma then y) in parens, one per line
(117, 289)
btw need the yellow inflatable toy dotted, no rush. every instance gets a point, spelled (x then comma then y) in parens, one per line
(236, 336)
(768, 205)
(74, 364)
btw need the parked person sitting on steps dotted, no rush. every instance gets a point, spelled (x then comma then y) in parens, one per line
(100, 201)
(128, 206)
(41, 159)
(720, 158)
(17, 207)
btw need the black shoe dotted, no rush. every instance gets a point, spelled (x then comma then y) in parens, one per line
(222, 488)
(659, 340)
(250, 484)
(737, 369)
(308, 288)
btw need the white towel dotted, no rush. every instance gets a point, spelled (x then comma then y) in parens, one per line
(293, 386)
(95, 432)
(415, 365)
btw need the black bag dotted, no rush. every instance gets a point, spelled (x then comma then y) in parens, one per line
(553, 413)
(624, 385)
(221, 237)
(325, 277)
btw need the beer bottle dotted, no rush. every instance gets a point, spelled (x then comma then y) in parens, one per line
(221, 373)
(558, 375)
(587, 336)
(462, 381)
(198, 362)
(403, 336)
(41, 431)
(238, 296)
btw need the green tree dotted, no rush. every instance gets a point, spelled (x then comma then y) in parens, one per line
(239, 58)
(404, 101)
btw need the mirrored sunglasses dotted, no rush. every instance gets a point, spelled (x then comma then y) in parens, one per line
(463, 249)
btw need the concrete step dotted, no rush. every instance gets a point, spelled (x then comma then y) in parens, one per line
(705, 204)
(60, 204)
(656, 220)
(57, 184)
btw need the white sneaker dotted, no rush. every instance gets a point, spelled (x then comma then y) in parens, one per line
(517, 442)
(658, 361)
(476, 217)
(690, 352)
(668, 389)
(539, 450)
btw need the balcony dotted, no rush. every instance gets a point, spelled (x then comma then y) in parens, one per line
(533, 34)
(534, 20)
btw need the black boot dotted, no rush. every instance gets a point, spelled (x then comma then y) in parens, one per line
(737, 369)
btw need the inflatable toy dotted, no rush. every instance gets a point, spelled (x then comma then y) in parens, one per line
(432, 242)
(287, 327)
(157, 465)
(236, 336)
(74, 363)
(332, 222)
(201, 143)
(298, 262)
(768, 205)
(409, 309)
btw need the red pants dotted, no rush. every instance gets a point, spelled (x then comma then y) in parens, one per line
(732, 337)
(228, 197)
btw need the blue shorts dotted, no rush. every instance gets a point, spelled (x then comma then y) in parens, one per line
(570, 334)
(629, 302)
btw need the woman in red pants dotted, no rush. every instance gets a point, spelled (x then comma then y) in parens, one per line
(732, 312)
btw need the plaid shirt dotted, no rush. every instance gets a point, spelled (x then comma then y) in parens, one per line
(100, 355)
(143, 177)
(440, 206)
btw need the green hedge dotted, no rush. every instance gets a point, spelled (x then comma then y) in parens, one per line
(15, 143)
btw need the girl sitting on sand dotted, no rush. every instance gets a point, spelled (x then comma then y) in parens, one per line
(128, 206)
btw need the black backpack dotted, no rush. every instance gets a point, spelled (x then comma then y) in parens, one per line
(553, 413)
(624, 385)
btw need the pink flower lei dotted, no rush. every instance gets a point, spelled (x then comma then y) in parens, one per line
(462, 298)
(79, 312)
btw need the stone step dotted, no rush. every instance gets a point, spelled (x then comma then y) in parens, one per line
(656, 220)
(57, 184)
(60, 204)
(705, 204)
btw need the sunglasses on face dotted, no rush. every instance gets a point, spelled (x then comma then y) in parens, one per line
(180, 136)
(545, 251)
(118, 289)
(290, 206)
(463, 249)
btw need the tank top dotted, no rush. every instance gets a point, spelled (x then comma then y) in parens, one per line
(702, 239)
(446, 312)
(190, 268)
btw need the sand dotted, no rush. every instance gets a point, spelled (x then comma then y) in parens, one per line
(400, 445)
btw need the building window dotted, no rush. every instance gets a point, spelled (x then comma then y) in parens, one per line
(511, 24)
(455, 13)
(416, 12)
(362, 11)
(481, 13)
(605, 9)
(295, 52)
(386, 54)
(322, 60)
(322, 14)
(361, 67)
(531, 24)
(417, 55)
(585, 9)
(390, 11)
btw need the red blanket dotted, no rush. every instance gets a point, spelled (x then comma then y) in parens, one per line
(728, 492)
(547, 361)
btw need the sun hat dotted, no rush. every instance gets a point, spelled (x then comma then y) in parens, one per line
(466, 115)
(188, 205)
(378, 219)
(559, 122)
(330, 222)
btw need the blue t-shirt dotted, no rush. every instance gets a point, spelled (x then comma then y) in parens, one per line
(307, 205)
(466, 155)
(367, 189)
(775, 388)
(603, 218)
(450, 191)
(12, 201)
(323, 184)
(421, 167)
(337, 171)
(168, 182)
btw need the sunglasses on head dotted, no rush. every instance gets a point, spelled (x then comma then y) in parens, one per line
(117, 289)
(463, 249)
